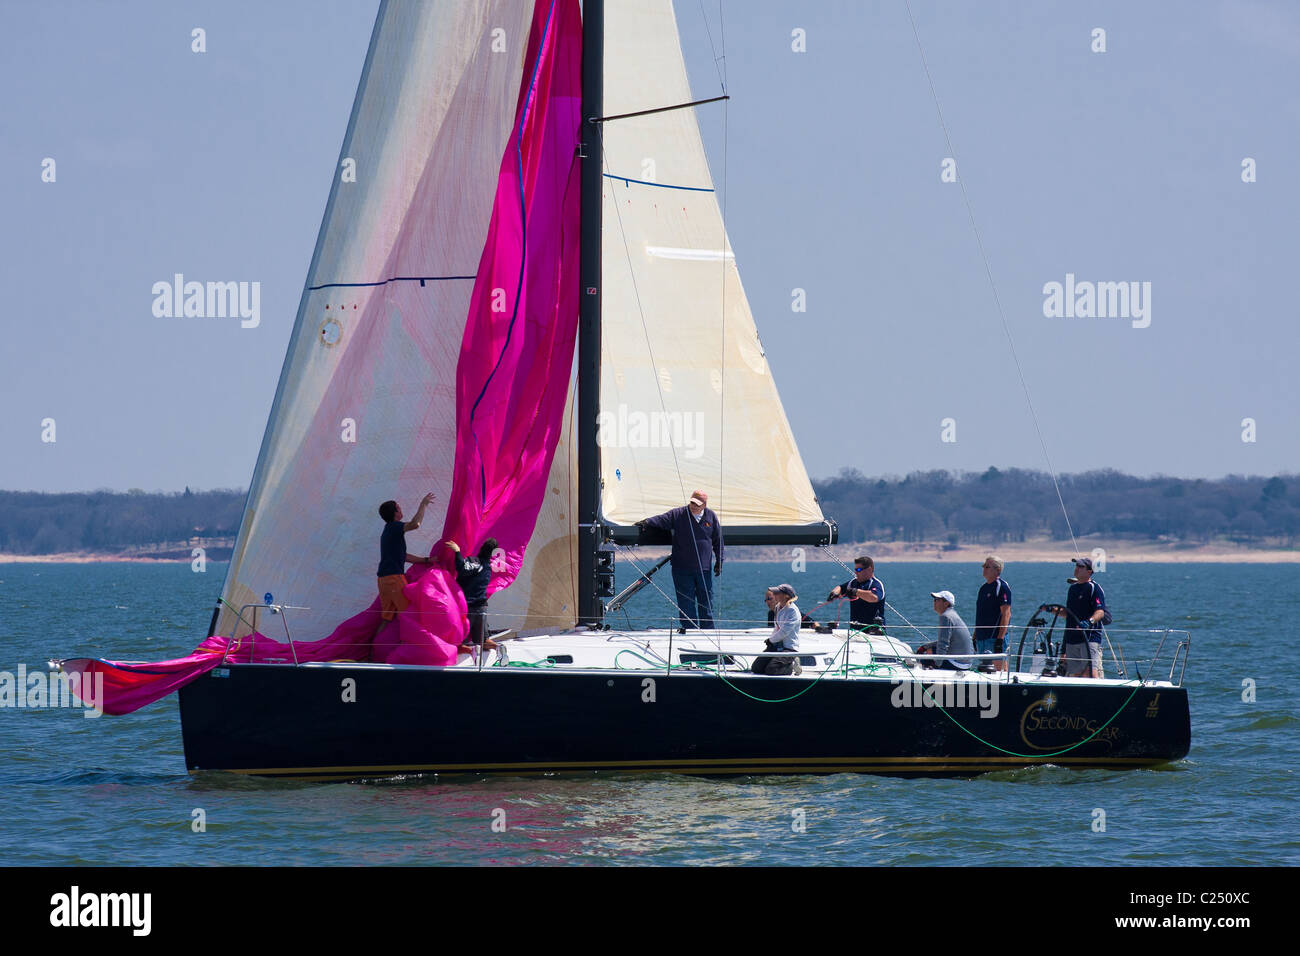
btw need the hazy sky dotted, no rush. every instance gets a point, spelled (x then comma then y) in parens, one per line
(1122, 166)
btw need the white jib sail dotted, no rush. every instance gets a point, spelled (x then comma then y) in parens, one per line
(687, 397)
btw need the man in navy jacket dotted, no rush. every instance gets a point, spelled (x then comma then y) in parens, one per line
(697, 543)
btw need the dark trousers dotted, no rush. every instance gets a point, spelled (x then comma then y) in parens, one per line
(478, 631)
(777, 666)
(694, 597)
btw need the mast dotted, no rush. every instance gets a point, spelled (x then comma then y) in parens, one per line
(590, 607)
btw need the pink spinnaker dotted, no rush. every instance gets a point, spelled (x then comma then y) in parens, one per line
(512, 382)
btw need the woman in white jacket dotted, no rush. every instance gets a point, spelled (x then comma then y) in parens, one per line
(785, 634)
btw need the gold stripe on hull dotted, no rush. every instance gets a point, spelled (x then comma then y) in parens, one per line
(724, 765)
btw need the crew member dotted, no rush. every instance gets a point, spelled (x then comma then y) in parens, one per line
(866, 595)
(992, 613)
(952, 636)
(473, 575)
(697, 543)
(1086, 603)
(785, 634)
(393, 556)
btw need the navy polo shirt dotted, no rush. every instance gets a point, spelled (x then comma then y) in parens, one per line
(988, 608)
(864, 612)
(1082, 600)
(392, 549)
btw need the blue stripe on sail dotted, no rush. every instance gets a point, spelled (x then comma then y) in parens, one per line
(356, 285)
(642, 182)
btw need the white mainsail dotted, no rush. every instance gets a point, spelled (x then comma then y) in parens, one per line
(366, 405)
(687, 398)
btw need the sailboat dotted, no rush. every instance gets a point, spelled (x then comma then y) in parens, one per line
(525, 301)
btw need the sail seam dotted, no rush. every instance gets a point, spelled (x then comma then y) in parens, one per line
(642, 182)
(359, 285)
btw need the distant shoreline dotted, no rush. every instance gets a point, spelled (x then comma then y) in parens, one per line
(1038, 552)
(82, 557)
(1047, 552)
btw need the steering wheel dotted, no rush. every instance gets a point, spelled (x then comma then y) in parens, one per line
(1037, 624)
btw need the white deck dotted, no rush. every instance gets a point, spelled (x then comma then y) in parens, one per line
(871, 658)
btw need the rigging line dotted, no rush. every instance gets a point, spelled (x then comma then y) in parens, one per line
(680, 613)
(654, 368)
(988, 271)
(650, 579)
(723, 653)
(722, 30)
(722, 264)
(834, 557)
(708, 30)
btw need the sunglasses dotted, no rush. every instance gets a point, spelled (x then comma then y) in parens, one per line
(861, 569)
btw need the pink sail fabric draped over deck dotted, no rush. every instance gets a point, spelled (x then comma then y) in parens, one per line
(511, 388)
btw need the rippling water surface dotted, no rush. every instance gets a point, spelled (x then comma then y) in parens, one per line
(115, 791)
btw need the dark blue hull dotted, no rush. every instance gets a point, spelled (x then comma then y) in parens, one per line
(285, 721)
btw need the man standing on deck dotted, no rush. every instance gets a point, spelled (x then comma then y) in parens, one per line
(1086, 603)
(393, 556)
(992, 613)
(697, 543)
(866, 595)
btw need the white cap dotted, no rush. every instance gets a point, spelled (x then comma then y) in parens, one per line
(946, 595)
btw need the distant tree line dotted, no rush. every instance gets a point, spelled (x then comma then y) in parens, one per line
(37, 523)
(924, 507)
(1014, 505)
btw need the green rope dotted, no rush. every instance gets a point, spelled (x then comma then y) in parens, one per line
(654, 664)
(874, 668)
(1057, 753)
(783, 700)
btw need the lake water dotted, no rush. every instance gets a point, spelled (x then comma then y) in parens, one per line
(115, 791)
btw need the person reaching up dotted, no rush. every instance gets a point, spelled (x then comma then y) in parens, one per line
(393, 555)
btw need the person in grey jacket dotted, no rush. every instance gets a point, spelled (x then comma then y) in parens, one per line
(953, 637)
